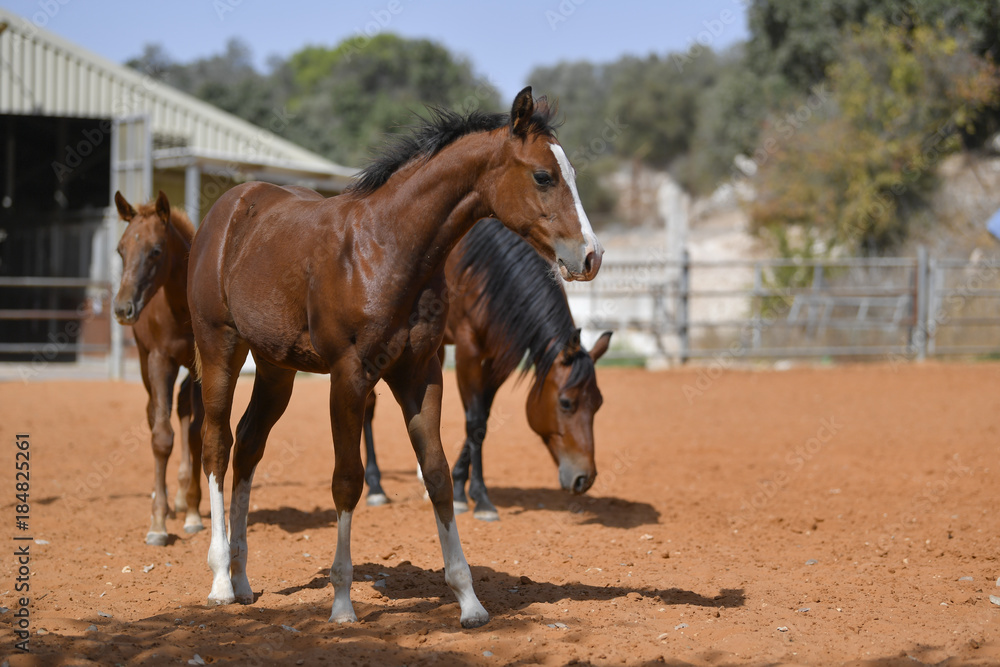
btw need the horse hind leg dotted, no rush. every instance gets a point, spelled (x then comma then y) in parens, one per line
(189, 479)
(184, 471)
(222, 356)
(272, 388)
(373, 476)
(419, 395)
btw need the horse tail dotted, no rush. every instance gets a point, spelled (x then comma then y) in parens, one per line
(196, 371)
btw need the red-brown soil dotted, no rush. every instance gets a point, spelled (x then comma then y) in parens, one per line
(813, 516)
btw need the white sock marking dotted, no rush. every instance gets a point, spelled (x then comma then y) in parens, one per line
(342, 573)
(218, 549)
(458, 576)
(238, 539)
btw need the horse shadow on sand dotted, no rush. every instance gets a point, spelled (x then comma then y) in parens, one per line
(293, 520)
(602, 510)
(500, 592)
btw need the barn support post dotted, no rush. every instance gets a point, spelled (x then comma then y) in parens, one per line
(116, 357)
(192, 193)
(683, 315)
(922, 328)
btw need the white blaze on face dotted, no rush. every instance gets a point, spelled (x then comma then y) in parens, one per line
(569, 175)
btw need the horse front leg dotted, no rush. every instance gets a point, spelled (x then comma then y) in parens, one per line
(418, 392)
(162, 373)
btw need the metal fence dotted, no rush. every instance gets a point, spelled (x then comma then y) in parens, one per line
(899, 308)
(902, 308)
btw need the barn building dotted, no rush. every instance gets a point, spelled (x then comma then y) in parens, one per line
(76, 127)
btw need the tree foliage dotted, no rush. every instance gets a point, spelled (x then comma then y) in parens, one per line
(851, 173)
(339, 101)
(864, 164)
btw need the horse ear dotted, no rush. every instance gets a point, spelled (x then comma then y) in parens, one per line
(574, 343)
(125, 209)
(601, 346)
(163, 207)
(521, 112)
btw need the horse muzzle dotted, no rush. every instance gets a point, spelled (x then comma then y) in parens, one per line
(126, 312)
(580, 263)
(574, 479)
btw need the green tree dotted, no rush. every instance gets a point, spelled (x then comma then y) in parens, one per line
(346, 98)
(862, 168)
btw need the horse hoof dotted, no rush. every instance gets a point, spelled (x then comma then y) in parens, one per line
(476, 620)
(219, 601)
(377, 499)
(244, 599)
(341, 618)
(487, 515)
(194, 528)
(156, 539)
(460, 506)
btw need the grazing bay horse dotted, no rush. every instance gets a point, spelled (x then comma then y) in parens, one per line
(354, 286)
(505, 303)
(153, 299)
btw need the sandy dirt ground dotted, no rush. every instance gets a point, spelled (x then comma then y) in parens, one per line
(841, 515)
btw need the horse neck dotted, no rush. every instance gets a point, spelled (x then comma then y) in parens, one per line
(175, 282)
(436, 202)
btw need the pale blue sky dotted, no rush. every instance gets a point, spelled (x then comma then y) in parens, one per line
(504, 40)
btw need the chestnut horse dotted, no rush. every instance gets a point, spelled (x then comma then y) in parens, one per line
(505, 302)
(153, 299)
(353, 286)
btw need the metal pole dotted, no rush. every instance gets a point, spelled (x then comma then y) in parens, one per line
(192, 193)
(758, 310)
(682, 306)
(922, 329)
(116, 361)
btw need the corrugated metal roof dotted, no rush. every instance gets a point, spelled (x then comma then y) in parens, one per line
(43, 74)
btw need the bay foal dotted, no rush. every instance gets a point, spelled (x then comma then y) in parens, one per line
(152, 298)
(354, 286)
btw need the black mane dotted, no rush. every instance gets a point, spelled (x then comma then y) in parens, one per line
(430, 135)
(524, 302)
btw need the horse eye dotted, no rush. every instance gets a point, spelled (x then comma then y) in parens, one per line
(543, 179)
(566, 404)
(156, 251)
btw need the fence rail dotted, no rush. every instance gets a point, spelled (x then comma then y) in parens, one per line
(900, 308)
(776, 308)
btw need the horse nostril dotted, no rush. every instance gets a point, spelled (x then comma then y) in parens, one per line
(129, 310)
(588, 262)
(580, 484)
